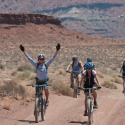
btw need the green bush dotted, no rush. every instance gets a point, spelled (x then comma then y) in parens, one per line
(24, 74)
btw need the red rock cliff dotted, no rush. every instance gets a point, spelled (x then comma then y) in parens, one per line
(16, 18)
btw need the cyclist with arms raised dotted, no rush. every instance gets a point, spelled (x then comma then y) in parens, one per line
(41, 69)
(123, 73)
(89, 76)
(76, 66)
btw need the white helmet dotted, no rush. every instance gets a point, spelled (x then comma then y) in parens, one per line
(41, 56)
(123, 60)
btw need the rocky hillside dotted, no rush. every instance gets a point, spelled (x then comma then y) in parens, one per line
(100, 18)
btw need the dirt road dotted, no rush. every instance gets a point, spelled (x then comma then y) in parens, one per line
(65, 110)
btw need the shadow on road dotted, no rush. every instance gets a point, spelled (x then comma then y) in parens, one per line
(27, 121)
(82, 123)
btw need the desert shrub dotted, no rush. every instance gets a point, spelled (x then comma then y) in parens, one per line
(100, 75)
(25, 66)
(115, 75)
(61, 71)
(118, 80)
(11, 88)
(60, 87)
(32, 76)
(13, 73)
(2, 66)
(112, 80)
(24, 74)
(109, 85)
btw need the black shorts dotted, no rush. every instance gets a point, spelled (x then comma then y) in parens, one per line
(89, 86)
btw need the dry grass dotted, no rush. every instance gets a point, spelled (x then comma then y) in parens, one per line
(118, 80)
(109, 85)
(60, 87)
(25, 74)
(61, 71)
(11, 88)
(2, 66)
(7, 105)
(100, 75)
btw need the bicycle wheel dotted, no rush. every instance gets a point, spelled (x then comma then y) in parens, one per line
(37, 109)
(75, 89)
(43, 109)
(90, 113)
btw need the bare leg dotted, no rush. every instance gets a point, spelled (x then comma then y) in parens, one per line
(71, 78)
(94, 95)
(86, 94)
(46, 93)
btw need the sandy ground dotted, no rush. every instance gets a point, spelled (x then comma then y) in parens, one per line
(64, 110)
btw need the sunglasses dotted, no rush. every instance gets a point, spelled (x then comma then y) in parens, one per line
(41, 59)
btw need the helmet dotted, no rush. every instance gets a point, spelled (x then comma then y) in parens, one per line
(123, 60)
(41, 56)
(89, 59)
(89, 65)
(74, 58)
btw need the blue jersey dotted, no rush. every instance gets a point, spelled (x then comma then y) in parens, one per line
(76, 66)
(41, 70)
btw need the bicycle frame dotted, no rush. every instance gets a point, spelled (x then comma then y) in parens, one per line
(90, 96)
(75, 81)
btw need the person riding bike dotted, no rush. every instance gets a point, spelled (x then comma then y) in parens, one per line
(41, 69)
(122, 69)
(89, 75)
(89, 59)
(76, 66)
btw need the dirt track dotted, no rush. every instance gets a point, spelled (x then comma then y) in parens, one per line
(65, 110)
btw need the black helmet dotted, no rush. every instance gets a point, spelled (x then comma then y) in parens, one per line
(41, 56)
(74, 58)
(89, 59)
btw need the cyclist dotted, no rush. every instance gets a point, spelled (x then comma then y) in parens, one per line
(89, 76)
(41, 69)
(89, 59)
(123, 74)
(76, 66)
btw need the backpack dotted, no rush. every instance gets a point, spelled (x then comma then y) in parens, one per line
(38, 65)
(78, 64)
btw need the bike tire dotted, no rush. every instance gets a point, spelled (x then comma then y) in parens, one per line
(37, 110)
(75, 89)
(90, 113)
(43, 109)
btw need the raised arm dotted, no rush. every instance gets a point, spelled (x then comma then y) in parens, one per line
(51, 60)
(28, 57)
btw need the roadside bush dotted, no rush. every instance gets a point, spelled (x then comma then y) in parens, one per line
(109, 85)
(60, 87)
(24, 67)
(100, 75)
(118, 80)
(2, 66)
(24, 74)
(11, 88)
(7, 105)
(61, 71)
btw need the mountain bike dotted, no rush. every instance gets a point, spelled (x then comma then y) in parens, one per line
(75, 82)
(90, 108)
(40, 103)
(123, 77)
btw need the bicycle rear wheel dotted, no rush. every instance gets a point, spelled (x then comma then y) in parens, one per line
(43, 109)
(75, 89)
(37, 109)
(90, 112)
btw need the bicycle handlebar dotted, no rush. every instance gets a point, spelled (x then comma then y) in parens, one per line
(94, 88)
(74, 72)
(33, 85)
(121, 76)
